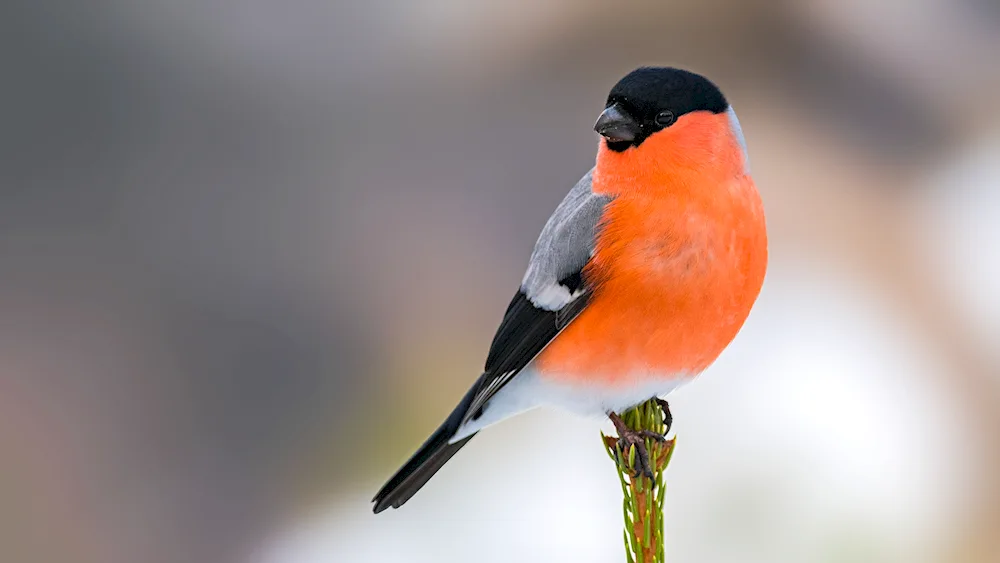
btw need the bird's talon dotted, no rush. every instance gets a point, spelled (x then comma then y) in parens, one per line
(668, 419)
(629, 438)
(653, 435)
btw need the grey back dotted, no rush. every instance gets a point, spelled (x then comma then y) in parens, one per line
(565, 245)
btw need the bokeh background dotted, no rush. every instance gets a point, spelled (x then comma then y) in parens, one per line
(251, 254)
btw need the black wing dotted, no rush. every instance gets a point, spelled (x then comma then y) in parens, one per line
(563, 249)
(524, 332)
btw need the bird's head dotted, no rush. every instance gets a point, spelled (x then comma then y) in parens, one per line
(665, 120)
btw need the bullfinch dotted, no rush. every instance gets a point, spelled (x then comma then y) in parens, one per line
(641, 277)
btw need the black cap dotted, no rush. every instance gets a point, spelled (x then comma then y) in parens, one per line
(653, 98)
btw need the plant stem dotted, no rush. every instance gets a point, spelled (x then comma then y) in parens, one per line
(642, 505)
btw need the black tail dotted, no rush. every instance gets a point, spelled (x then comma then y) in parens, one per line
(431, 456)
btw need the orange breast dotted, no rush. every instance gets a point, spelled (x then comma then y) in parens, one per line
(679, 261)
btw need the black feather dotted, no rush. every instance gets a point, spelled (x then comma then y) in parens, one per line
(647, 91)
(427, 461)
(526, 329)
(523, 333)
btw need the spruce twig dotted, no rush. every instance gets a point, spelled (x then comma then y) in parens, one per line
(642, 504)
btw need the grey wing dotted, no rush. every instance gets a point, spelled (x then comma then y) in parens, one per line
(552, 294)
(565, 245)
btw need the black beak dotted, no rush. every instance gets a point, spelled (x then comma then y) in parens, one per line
(616, 125)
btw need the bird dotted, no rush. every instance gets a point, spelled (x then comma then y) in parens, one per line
(642, 276)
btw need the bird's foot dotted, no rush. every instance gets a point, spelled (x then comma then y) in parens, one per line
(628, 438)
(668, 419)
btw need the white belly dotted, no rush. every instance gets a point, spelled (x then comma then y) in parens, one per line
(529, 390)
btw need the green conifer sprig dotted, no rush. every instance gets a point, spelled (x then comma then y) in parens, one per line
(642, 503)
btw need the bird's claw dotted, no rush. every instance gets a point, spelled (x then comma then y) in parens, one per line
(641, 454)
(653, 435)
(628, 438)
(668, 419)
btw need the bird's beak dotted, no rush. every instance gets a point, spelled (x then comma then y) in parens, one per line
(616, 125)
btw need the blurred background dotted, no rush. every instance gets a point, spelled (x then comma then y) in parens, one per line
(252, 253)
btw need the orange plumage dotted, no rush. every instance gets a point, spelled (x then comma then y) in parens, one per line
(679, 260)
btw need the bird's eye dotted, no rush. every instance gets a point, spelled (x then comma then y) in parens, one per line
(665, 118)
